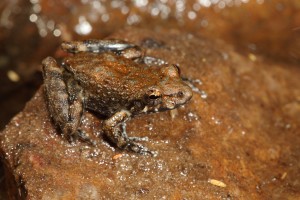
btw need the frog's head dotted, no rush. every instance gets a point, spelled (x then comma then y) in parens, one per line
(169, 92)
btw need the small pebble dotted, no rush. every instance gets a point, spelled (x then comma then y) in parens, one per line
(252, 57)
(13, 76)
(216, 183)
(283, 176)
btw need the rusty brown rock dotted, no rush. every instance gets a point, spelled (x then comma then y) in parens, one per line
(237, 138)
(32, 30)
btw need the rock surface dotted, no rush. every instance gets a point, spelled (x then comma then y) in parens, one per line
(241, 128)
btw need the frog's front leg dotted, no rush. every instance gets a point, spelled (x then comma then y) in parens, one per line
(120, 47)
(117, 134)
(65, 105)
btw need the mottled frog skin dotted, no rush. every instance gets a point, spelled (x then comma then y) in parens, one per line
(109, 77)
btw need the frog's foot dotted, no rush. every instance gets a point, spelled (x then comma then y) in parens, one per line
(85, 138)
(153, 61)
(138, 148)
(135, 139)
(115, 130)
(139, 139)
(192, 84)
(79, 135)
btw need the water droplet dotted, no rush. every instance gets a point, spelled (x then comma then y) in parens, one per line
(83, 27)
(133, 19)
(205, 3)
(192, 15)
(43, 32)
(221, 5)
(33, 18)
(36, 8)
(13, 76)
(141, 3)
(57, 33)
(105, 17)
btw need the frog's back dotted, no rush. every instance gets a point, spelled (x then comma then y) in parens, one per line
(97, 66)
(106, 78)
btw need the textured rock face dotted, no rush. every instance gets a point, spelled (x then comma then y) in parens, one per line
(241, 127)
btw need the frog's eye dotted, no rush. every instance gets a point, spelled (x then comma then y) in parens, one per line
(171, 70)
(153, 93)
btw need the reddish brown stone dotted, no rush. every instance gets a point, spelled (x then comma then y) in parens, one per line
(242, 129)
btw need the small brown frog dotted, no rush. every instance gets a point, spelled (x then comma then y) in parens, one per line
(109, 77)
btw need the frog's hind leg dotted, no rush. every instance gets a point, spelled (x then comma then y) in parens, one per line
(119, 47)
(113, 130)
(96, 46)
(65, 105)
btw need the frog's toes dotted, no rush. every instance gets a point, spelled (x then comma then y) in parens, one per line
(138, 148)
(85, 138)
(139, 139)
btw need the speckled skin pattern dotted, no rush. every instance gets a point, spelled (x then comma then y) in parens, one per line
(109, 77)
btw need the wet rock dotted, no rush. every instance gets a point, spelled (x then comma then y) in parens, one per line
(44, 24)
(240, 130)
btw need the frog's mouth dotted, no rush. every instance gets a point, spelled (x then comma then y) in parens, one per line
(149, 109)
(169, 105)
(160, 107)
(171, 99)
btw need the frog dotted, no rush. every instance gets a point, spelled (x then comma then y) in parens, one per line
(113, 79)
